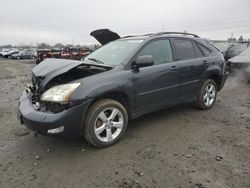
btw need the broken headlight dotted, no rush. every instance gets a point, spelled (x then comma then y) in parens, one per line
(60, 93)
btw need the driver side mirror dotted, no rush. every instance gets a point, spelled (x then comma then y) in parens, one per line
(144, 61)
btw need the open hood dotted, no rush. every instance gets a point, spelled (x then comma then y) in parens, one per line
(52, 68)
(59, 66)
(52, 65)
(104, 36)
(243, 57)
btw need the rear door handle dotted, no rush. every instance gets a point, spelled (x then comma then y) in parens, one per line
(205, 62)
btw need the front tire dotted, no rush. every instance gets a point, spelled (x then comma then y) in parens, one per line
(105, 123)
(207, 95)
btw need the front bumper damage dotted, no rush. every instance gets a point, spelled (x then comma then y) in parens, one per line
(68, 123)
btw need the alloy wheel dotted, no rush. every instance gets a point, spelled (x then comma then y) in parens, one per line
(209, 95)
(109, 124)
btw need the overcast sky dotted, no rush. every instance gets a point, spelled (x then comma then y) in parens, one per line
(71, 21)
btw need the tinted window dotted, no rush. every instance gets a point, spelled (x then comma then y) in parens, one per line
(198, 51)
(184, 49)
(160, 50)
(204, 49)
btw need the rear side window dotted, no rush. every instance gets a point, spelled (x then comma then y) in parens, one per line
(160, 50)
(198, 51)
(184, 49)
(204, 49)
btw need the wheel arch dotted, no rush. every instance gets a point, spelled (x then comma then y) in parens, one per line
(119, 96)
(216, 76)
(217, 79)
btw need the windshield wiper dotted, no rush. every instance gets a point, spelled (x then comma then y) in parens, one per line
(95, 60)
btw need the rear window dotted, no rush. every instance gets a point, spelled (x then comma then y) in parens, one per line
(184, 49)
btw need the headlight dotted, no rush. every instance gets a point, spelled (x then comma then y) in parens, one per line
(60, 93)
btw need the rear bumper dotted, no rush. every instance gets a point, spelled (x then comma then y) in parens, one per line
(223, 81)
(71, 119)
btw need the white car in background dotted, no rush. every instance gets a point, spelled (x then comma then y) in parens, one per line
(3, 51)
(241, 62)
(10, 53)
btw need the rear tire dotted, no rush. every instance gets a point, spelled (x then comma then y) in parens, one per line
(105, 123)
(207, 95)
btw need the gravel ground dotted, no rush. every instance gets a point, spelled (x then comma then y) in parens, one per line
(177, 147)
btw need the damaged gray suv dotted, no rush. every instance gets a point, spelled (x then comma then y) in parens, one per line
(126, 78)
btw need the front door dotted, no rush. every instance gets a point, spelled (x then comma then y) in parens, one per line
(156, 85)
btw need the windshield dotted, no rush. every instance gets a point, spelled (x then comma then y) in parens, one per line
(222, 46)
(239, 47)
(114, 52)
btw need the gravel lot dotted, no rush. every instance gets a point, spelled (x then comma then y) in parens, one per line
(177, 147)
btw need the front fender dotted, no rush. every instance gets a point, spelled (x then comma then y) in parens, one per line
(94, 87)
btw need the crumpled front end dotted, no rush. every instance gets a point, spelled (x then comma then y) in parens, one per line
(63, 117)
(37, 117)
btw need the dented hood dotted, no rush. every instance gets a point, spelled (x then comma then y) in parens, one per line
(51, 68)
(59, 66)
(104, 36)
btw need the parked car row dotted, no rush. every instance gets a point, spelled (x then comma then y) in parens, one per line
(42, 54)
(61, 53)
(16, 54)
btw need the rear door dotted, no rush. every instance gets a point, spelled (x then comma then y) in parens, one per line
(156, 85)
(192, 64)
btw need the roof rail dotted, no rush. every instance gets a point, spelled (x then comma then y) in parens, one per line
(162, 33)
(128, 36)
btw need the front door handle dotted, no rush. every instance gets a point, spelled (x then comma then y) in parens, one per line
(205, 62)
(173, 68)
